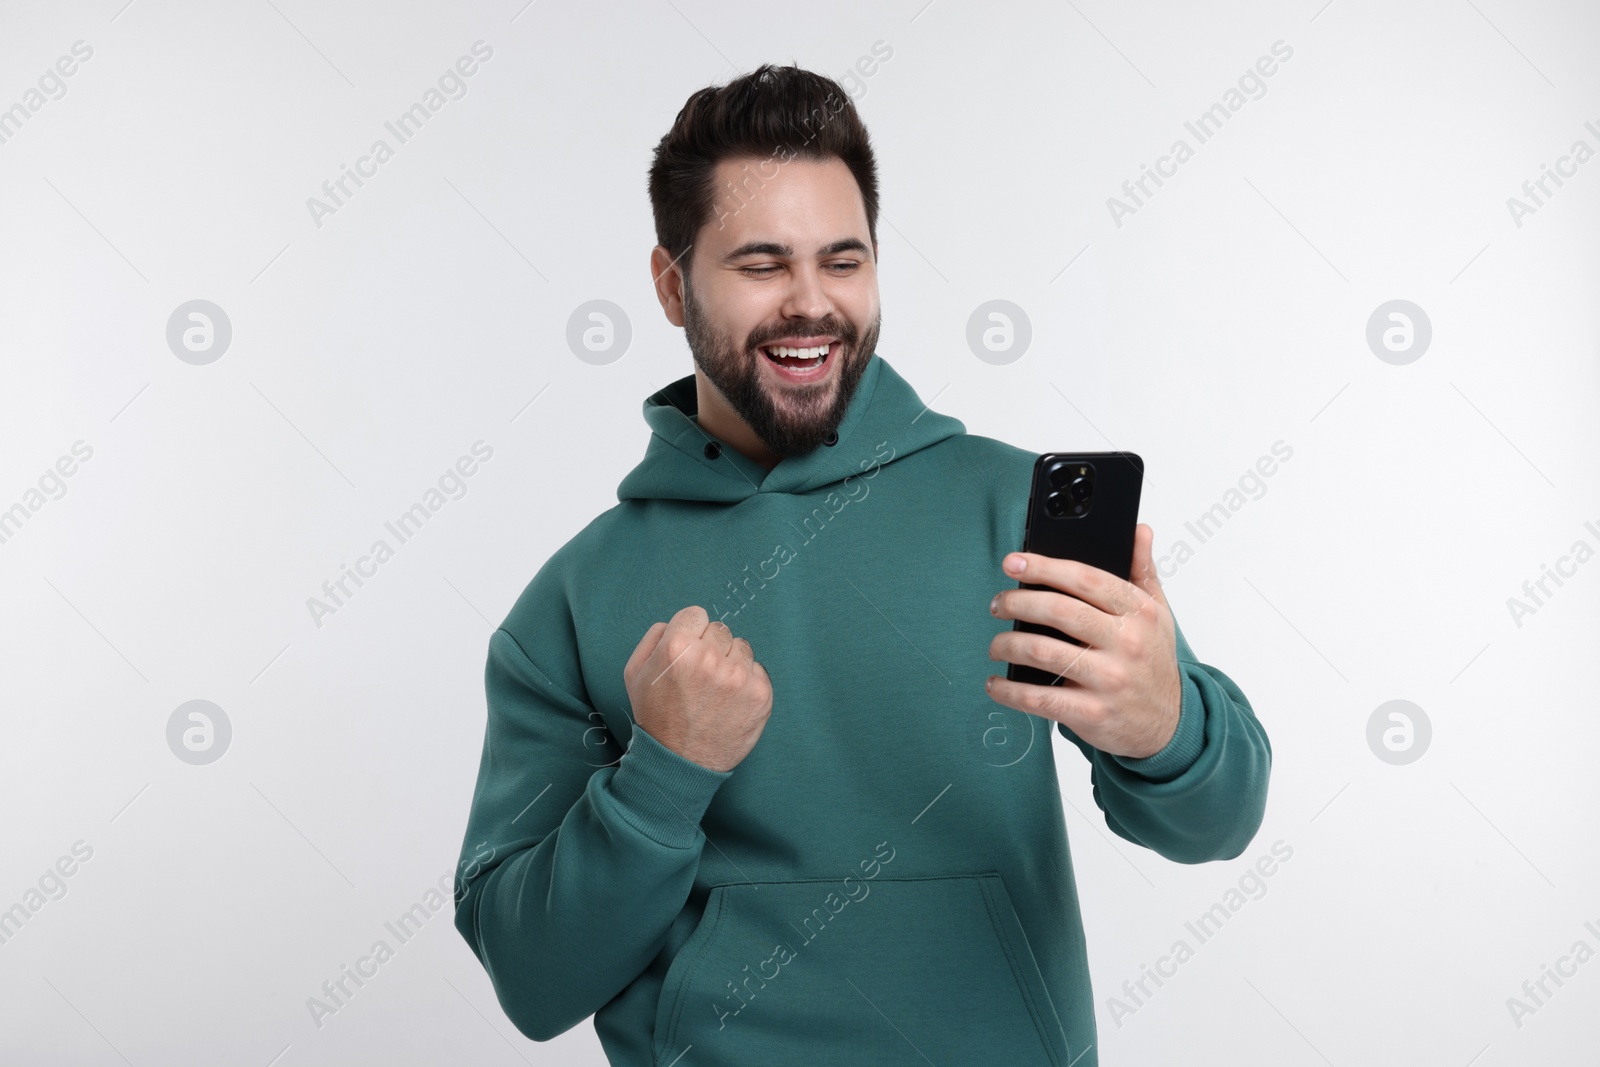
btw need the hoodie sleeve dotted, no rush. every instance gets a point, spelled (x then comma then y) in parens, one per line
(571, 873)
(1202, 797)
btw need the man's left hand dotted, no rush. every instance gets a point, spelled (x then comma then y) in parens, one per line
(1123, 692)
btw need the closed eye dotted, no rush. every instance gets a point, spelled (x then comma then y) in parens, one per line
(762, 272)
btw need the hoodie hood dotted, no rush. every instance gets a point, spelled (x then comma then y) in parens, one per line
(681, 464)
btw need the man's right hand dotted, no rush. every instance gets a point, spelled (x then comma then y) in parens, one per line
(698, 690)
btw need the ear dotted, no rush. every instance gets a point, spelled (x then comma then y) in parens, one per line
(667, 277)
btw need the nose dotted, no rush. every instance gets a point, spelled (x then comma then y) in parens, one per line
(806, 297)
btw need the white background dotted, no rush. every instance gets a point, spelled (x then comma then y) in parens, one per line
(369, 353)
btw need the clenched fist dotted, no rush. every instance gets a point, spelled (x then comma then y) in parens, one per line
(698, 690)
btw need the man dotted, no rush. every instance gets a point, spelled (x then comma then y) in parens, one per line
(743, 796)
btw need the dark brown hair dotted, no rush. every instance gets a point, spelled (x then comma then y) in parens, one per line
(772, 113)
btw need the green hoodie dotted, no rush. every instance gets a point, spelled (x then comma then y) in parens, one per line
(886, 878)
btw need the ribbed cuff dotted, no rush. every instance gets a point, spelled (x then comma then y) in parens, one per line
(1183, 749)
(661, 793)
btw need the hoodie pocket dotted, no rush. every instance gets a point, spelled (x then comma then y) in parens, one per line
(889, 971)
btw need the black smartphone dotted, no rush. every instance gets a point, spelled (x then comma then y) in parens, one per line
(1083, 506)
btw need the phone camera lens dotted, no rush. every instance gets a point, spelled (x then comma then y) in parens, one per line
(1071, 486)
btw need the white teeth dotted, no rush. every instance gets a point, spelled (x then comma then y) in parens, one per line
(800, 353)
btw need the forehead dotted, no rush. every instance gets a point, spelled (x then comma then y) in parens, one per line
(804, 203)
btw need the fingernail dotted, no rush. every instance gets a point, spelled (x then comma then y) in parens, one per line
(1015, 564)
(994, 605)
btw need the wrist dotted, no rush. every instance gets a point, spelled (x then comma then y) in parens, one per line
(663, 794)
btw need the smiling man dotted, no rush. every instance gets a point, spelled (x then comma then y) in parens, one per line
(794, 324)
(823, 839)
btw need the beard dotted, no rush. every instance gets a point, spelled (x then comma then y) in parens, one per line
(804, 416)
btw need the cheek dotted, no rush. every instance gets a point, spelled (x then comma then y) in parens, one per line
(862, 305)
(745, 315)
(865, 321)
(729, 308)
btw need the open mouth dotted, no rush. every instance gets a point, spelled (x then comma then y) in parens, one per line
(800, 363)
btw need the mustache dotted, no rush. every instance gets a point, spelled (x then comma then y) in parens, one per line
(846, 335)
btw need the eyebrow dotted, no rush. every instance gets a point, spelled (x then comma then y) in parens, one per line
(772, 248)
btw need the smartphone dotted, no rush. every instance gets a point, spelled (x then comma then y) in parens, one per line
(1083, 506)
